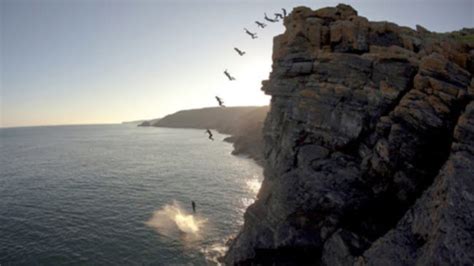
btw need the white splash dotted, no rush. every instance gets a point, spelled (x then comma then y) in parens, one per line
(186, 223)
(214, 253)
(172, 218)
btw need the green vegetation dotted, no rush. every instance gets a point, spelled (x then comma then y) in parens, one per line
(464, 37)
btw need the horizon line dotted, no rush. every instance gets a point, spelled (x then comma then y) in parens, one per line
(125, 121)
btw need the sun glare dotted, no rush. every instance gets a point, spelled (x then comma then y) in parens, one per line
(246, 89)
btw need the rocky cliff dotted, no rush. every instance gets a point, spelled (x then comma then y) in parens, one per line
(369, 146)
(243, 123)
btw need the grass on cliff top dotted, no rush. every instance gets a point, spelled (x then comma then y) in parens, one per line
(464, 38)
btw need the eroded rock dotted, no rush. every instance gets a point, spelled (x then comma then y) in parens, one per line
(368, 147)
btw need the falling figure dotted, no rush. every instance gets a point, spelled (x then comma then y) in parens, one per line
(241, 53)
(278, 16)
(228, 75)
(284, 12)
(260, 24)
(269, 19)
(194, 206)
(220, 101)
(210, 134)
(253, 35)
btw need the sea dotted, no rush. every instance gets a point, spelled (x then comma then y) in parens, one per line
(119, 195)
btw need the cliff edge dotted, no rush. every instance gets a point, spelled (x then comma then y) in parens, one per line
(369, 146)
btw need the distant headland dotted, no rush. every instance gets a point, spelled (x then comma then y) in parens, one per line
(243, 123)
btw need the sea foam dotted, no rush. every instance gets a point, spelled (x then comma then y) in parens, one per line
(171, 218)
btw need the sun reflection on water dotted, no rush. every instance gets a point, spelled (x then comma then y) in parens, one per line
(254, 185)
(172, 220)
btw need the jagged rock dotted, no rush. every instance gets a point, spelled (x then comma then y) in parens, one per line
(340, 12)
(438, 229)
(342, 248)
(368, 147)
(350, 35)
(422, 29)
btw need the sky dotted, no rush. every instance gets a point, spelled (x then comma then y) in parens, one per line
(108, 61)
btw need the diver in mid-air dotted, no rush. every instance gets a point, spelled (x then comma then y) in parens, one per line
(269, 19)
(194, 206)
(253, 35)
(220, 101)
(278, 16)
(260, 24)
(228, 75)
(210, 134)
(240, 52)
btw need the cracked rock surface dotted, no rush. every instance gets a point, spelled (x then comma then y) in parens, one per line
(369, 147)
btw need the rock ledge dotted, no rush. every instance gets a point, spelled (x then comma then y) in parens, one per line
(369, 146)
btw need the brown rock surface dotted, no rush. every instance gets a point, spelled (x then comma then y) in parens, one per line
(368, 147)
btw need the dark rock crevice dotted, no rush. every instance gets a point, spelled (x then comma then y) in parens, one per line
(366, 127)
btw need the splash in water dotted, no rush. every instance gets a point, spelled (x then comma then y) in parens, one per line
(186, 223)
(172, 218)
(214, 253)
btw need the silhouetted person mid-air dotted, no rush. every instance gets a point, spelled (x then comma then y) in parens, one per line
(253, 35)
(241, 53)
(269, 19)
(210, 134)
(278, 16)
(284, 12)
(194, 206)
(220, 101)
(228, 75)
(260, 24)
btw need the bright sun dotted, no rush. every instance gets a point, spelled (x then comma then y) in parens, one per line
(246, 90)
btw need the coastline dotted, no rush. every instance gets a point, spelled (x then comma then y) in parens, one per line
(244, 125)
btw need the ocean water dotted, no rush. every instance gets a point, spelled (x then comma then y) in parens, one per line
(119, 195)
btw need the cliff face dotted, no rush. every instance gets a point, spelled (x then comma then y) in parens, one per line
(369, 146)
(248, 139)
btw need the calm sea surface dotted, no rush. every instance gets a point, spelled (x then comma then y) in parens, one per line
(119, 195)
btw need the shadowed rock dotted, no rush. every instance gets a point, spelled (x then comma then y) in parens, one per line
(368, 146)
